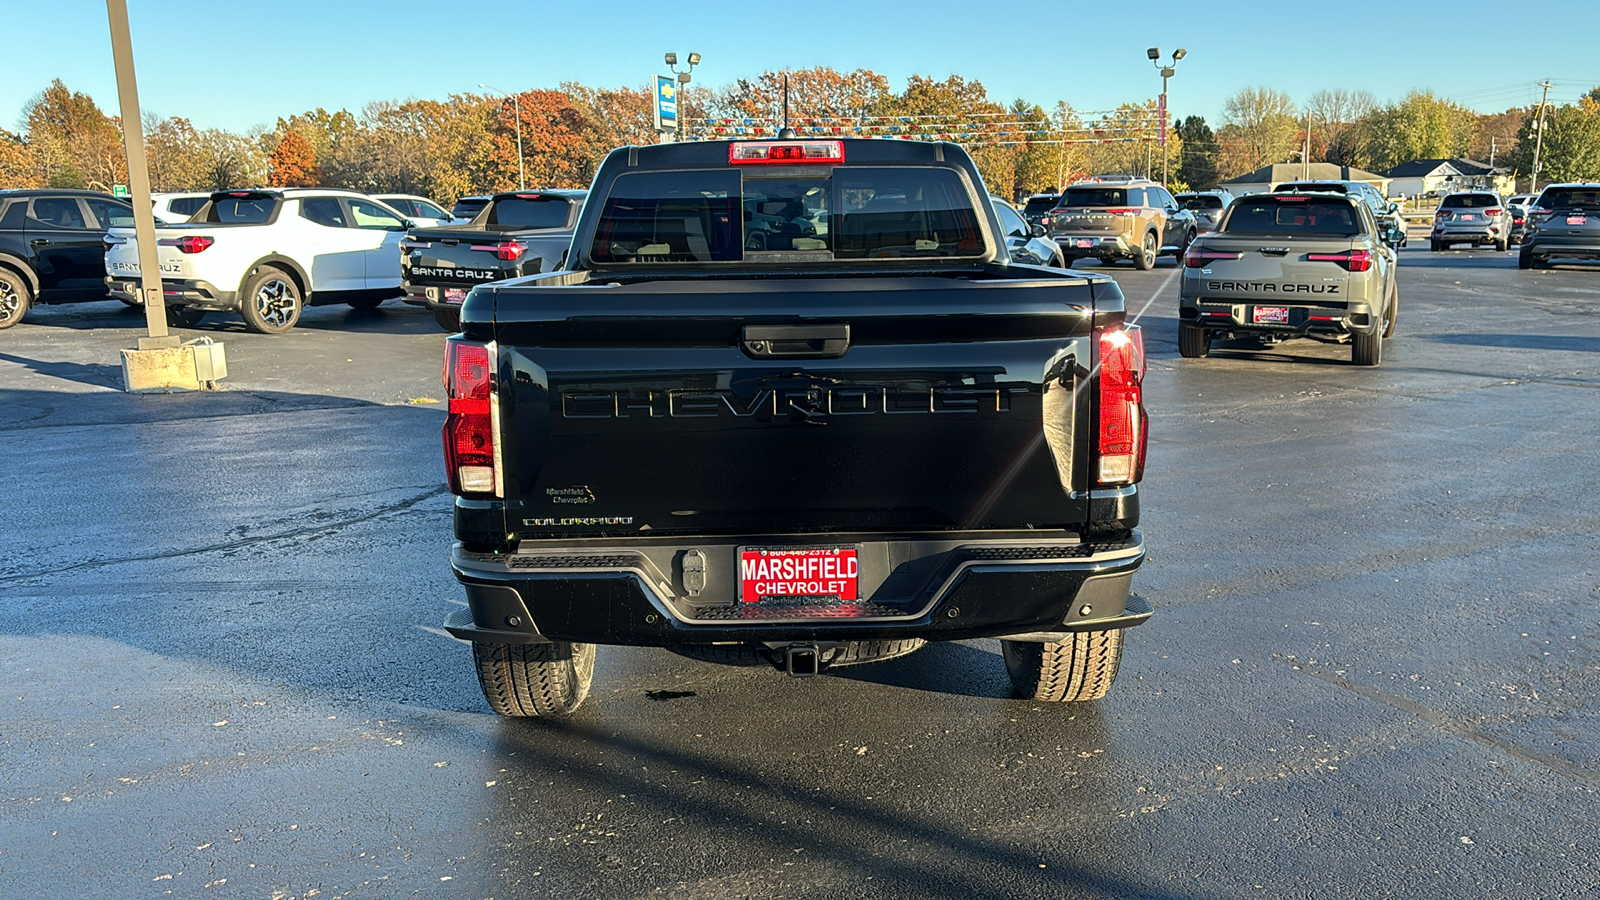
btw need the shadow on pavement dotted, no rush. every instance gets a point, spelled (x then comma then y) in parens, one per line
(1569, 343)
(82, 373)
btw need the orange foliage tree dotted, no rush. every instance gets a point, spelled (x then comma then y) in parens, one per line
(294, 163)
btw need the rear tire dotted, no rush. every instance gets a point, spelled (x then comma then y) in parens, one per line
(1503, 244)
(15, 298)
(184, 316)
(1083, 667)
(545, 680)
(1194, 342)
(1435, 245)
(270, 301)
(1146, 260)
(1524, 259)
(448, 319)
(1367, 349)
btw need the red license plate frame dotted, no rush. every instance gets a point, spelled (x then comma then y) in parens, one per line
(1467, 217)
(1084, 242)
(1270, 315)
(1577, 220)
(455, 295)
(826, 574)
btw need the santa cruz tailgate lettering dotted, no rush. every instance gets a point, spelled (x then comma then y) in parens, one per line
(852, 400)
(1268, 287)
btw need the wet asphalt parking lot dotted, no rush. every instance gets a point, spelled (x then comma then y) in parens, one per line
(1374, 668)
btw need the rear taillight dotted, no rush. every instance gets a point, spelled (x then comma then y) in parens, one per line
(189, 243)
(1195, 259)
(1131, 211)
(1354, 261)
(1539, 211)
(505, 251)
(471, 445)
(1493, 212)
(1123, 421)
(809, 152)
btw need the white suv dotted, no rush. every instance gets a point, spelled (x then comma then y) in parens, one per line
(266, 254)
(171, 209)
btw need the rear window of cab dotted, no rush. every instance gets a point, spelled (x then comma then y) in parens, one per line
(1469, 201)
(1295, 216)
(843, 213)
(1200, 201)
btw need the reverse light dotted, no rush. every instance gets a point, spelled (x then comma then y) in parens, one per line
(786, 152)
(471, 440)
(505, 251)
(189, 243)
(1123, 422)
(1353, 261)
(1195, 259)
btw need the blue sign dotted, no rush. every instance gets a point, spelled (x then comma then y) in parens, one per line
(666, 103)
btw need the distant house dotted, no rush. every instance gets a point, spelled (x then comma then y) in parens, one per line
(1268, 177)
(1441, 176)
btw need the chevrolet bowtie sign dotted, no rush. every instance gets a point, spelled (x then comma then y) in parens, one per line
(666, 103)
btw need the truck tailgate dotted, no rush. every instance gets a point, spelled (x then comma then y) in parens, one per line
(888, 403)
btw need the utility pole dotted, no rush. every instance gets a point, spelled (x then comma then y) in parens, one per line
(1491, 152)
(1305, 156)
(1538, 143)
(144, 223)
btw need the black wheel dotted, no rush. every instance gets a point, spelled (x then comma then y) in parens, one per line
(367, 305)
(15, 298)
(448, 319)
(1435, 246)
(1080, 668)
(1106, 261)
(534, 679)
(184, 316)
(270, 301)
(1367, 349)
(1503, 244)
(1524, 259)
(1194, 342)
(1394, 311)
(1146, 260)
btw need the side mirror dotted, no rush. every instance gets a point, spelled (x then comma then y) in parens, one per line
(1393, 235)
(1037, 230)
(411, 223)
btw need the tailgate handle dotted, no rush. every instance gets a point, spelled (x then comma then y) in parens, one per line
(815, 341)
(1274, 251)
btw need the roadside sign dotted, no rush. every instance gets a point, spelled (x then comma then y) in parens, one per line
(666, 103)
(119, 190)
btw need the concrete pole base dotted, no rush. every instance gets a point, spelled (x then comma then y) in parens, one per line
(166, 370)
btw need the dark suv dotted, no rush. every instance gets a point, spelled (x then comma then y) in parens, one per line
(1563, 222)
(1387, 213)
(1037, 209)
(52, 247)
(1120, 218)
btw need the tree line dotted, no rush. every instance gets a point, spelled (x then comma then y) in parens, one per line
(467, 143)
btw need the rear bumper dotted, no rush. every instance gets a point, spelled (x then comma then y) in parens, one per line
(1560, 246)
(1082, 246)
(433, 296)
(1238, 317)
(184, 292)
(1483, 235)
(935, 587)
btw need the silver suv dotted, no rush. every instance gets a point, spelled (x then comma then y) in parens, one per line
(1207, 206)
(1471, 217)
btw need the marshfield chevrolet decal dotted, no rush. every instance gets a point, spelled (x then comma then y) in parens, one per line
(580, 520)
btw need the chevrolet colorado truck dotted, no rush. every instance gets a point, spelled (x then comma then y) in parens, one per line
(867, 431)
(267, 254)
(516, 233)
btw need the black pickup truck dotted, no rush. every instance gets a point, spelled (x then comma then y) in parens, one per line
(514, 234)
(865, 431)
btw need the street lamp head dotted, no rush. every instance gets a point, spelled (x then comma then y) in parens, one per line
(482, 85)
(694, 59)
(1178, 54)
(672, 59)
(1153, 53)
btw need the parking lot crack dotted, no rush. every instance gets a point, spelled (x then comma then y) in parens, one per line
(1555, 764)
(366, 516)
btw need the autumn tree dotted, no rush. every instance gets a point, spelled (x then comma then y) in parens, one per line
(818, 92)
(293, 163)
(1571, 147)
(1260, 126)
(18, 168)
(1421, 126)
(73, 142)
(1494, 139)
(1335, 117)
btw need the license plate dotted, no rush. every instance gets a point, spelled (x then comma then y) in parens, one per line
(1577, 220)
(455, 295)
(1271, 315)
(1467, 217)
(822, 573)
(1086, 243)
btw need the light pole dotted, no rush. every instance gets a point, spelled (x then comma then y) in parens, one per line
(1538, 142)
(522, 179)
(683, 88)
(1166, 72)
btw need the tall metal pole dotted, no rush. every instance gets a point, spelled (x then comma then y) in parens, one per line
(1165, 74)
(144, 221)
(1305, 155)
(1538, 143)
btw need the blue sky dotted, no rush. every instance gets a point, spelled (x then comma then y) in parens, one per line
(238, 63)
